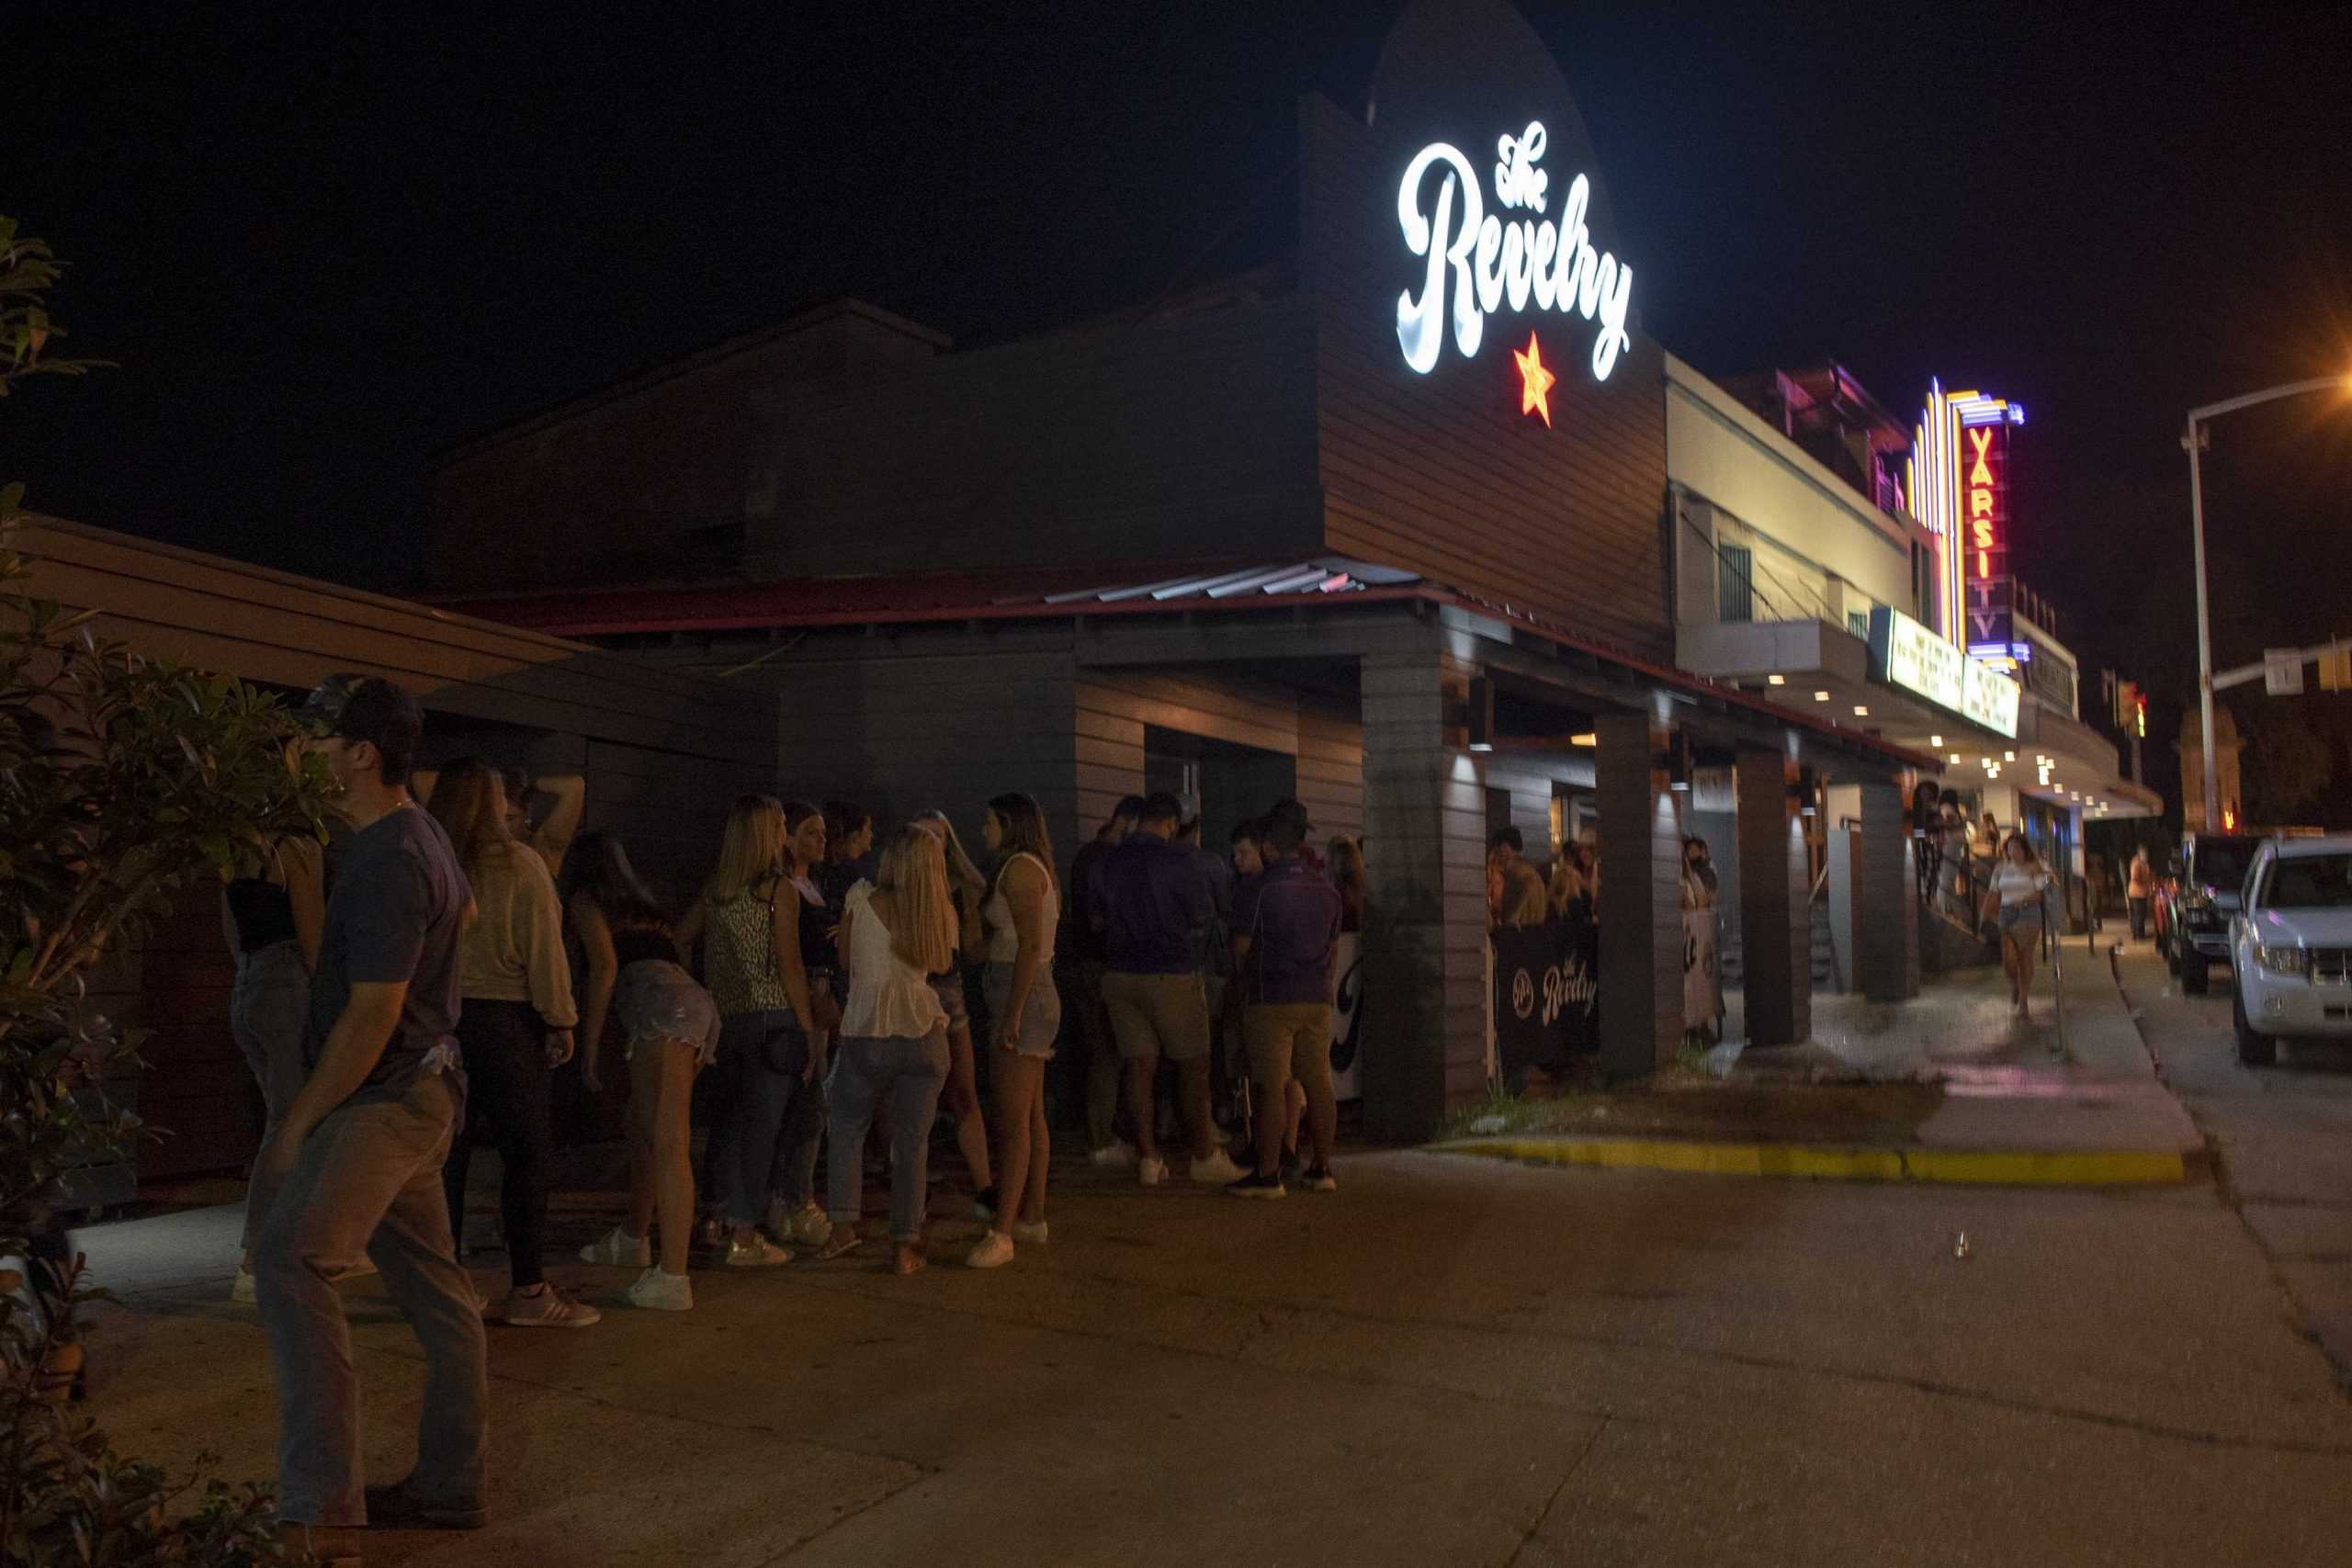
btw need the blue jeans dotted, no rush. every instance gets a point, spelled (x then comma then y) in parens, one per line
(369, 1178)
(269, 1009)
(761, 1055)
(911, 1072)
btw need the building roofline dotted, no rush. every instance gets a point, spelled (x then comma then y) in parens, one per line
(685, 364)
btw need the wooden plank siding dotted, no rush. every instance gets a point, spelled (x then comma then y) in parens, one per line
(1441, 474)
(662, 750)
(1324, 737)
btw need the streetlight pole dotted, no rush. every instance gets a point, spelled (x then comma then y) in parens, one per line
(2194, 441)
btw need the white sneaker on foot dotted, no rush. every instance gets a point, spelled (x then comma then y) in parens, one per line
(1217, 1170)
(242, 1293)
(810, 1227)
(1120, 1154)
(617, 1248)
(1151, 1172)
(547, 1308)
(993, 1251)
(660, 1291)
(1029, 1232)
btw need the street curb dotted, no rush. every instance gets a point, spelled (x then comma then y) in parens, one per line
(1832, 1162)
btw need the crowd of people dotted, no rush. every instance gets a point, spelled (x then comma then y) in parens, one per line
(418, 982)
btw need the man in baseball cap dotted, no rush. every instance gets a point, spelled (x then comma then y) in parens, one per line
(354, 1167)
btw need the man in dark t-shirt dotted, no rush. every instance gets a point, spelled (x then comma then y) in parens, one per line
(1285, 935)
(355, 1164)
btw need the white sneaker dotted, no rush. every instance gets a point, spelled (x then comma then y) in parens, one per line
(242, 1293)
(1119, 1155)
(1151, 1172)
(755, 1251)
(617, 1248)
(660, 1291)
(1029, 1232)
(1217, 1170)
(550, 1308)
(994, 1250)
(810, 1227)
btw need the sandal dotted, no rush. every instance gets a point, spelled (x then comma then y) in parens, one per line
(909, 1261)
(843, 1242)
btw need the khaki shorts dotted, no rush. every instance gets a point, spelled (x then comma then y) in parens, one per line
(1287, 1041)
(1165, 1015)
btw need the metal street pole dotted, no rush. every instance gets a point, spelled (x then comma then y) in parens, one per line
(2193, 442)
(2204, 632)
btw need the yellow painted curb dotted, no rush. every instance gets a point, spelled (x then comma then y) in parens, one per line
(1830, 1162)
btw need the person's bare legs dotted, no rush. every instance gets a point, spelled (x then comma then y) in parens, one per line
(1294, 1114)
(1322, 1109)
(1019, 1082)
(669, 1158)
(1271, 1124)
(1041, 1148)
(963, 1103)
(2025, 977)
(1142, 1079)
(1192, 1084)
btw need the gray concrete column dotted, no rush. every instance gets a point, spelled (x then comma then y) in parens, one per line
(1887, 897)
(1425, 919)
(1775, 917)
(1639, 907)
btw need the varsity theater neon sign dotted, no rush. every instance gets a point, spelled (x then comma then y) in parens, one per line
(1478, 264)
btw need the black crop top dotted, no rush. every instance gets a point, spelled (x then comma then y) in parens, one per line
(263, 912)
(634, 944)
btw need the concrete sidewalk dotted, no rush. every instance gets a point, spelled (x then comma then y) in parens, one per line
(1949, 1086)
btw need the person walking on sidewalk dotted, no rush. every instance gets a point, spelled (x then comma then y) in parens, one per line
(355, 1164)
(1146, 899)
(1285, 934)
(2140, 888)
(2020, 883)
(516, 1028)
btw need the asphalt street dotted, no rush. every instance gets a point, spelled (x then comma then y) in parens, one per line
(2280, 1139)
(1451, 1360)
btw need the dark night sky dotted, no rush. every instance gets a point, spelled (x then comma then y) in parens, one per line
(323, 247)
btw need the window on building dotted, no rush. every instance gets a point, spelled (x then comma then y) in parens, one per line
(1738, 582)
(1858, 623)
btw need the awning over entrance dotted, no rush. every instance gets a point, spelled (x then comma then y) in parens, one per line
(1812, 667)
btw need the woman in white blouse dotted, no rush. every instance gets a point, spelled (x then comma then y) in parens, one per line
(896, 934)
(2019, 884)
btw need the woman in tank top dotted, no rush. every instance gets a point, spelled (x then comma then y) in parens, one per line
(966, 886)
(1022, 910)
(897, 931)
(669, 1033)
(794, 1212)
(771, 1042)
(272, 914)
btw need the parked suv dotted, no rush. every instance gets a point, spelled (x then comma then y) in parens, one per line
(2193, 928)
(2292, 945)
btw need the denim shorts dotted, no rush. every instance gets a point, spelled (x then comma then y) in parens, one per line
(1041, 1019)
(655, 999)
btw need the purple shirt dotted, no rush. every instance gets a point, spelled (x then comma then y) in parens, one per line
(1149, 897)
(1291, 917)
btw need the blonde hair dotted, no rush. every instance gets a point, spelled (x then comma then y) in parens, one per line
(920, 916)
(469, 803)
(751, 850)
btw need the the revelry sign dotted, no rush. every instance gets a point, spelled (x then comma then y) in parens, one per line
(1478, 264)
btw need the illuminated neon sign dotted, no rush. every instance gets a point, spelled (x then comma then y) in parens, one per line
(1478, 265)
(1958, 486)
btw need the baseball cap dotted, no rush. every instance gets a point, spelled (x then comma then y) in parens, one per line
(366, 707)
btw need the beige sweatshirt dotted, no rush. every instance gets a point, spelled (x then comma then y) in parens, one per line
(513, 952)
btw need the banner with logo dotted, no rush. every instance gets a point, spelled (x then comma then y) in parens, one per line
(1546, 996)
(1703, 979)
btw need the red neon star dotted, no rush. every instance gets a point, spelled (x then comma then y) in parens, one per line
(1535, 382)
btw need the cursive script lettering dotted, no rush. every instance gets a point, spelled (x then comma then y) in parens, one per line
(1478, 264)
